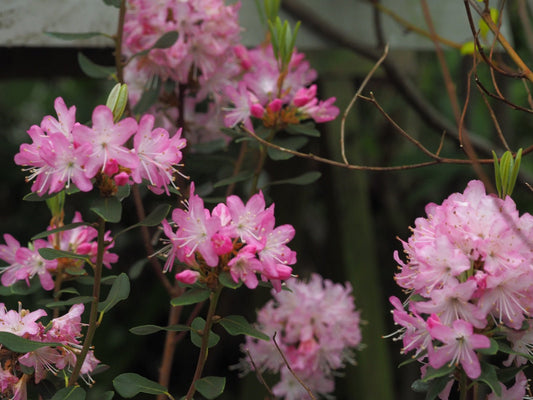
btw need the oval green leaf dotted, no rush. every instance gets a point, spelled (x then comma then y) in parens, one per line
(210, 386)
(198, 325)
(61, 229)
(92, 69)
(225, 279)
(20, 345)
(191, 296)
(238, 325)
(304, 179)
(75, 36)
(70, 302)
(70, 393)
(129, 385)
(120, 290)
(108, 208)
(149, 329)
(51, 254)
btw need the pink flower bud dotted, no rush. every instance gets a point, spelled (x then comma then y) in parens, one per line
(111, 167)
(188, 276)
(222, 244)
(257, 110)
(122, 179)
(275, 105)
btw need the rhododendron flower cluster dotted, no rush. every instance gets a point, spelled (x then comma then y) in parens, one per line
(65, 152)
(238, 238)
(64, 330)
(316, 328)
(468, 274)
(207, 31)
(25, 262)
(275, 97)
(199, 64)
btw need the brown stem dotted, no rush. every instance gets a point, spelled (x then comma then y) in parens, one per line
(202, 357)
(118, 42)
(237, 167)
(93, 321)
(169, 347)
(450, 86)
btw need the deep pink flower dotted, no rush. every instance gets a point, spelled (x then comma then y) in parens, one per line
(459, 343)
(106, 139)
(196, 228)
(158, 154)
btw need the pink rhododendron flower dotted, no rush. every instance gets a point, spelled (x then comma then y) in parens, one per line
(106, 140)
(317, 329)
(158, 154)
(458, 345)
(468, 265)
(65, 329)
(243, 236)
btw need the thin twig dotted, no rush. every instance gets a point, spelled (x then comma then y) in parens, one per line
(502, 99)
(428, 113)
(494, 120)
(436, 159)
(448, 82)
(309, 392)
(354, 99)
(412, 28)
(258, 373)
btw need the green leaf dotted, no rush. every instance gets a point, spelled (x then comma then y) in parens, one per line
(74, 36)
(71, 301)
(240, 177)
(114, 3)
(20, 345)
(108, 208)
(94, 70)
(191, 296)
(304, 179)
(489, 376)
(70, 393)
(497, 177)
(149, 96)
(211, 146)
(137, 268)
(210, 386)
(51, 254)
(35, 197)
(120, 290)
(308, 129)
(514, 172)
(108, 395)
(149, 329)
(198, 325)
(436, 386)
(68, 291)
(238, 325)
(153, 219)
(123, 192)
(225, 279)
(129, 385)
(68, 227)
(164, 42)
(433, 373)
(493, 349)
(291, 143)
(420, 386)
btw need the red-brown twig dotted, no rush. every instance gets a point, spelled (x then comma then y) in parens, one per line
(356, 96)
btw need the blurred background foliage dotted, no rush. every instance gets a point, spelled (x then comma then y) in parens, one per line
(347, 223)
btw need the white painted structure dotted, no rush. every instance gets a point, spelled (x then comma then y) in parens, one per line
(22, 22)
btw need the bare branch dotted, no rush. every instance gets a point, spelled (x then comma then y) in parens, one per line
(354, 99)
